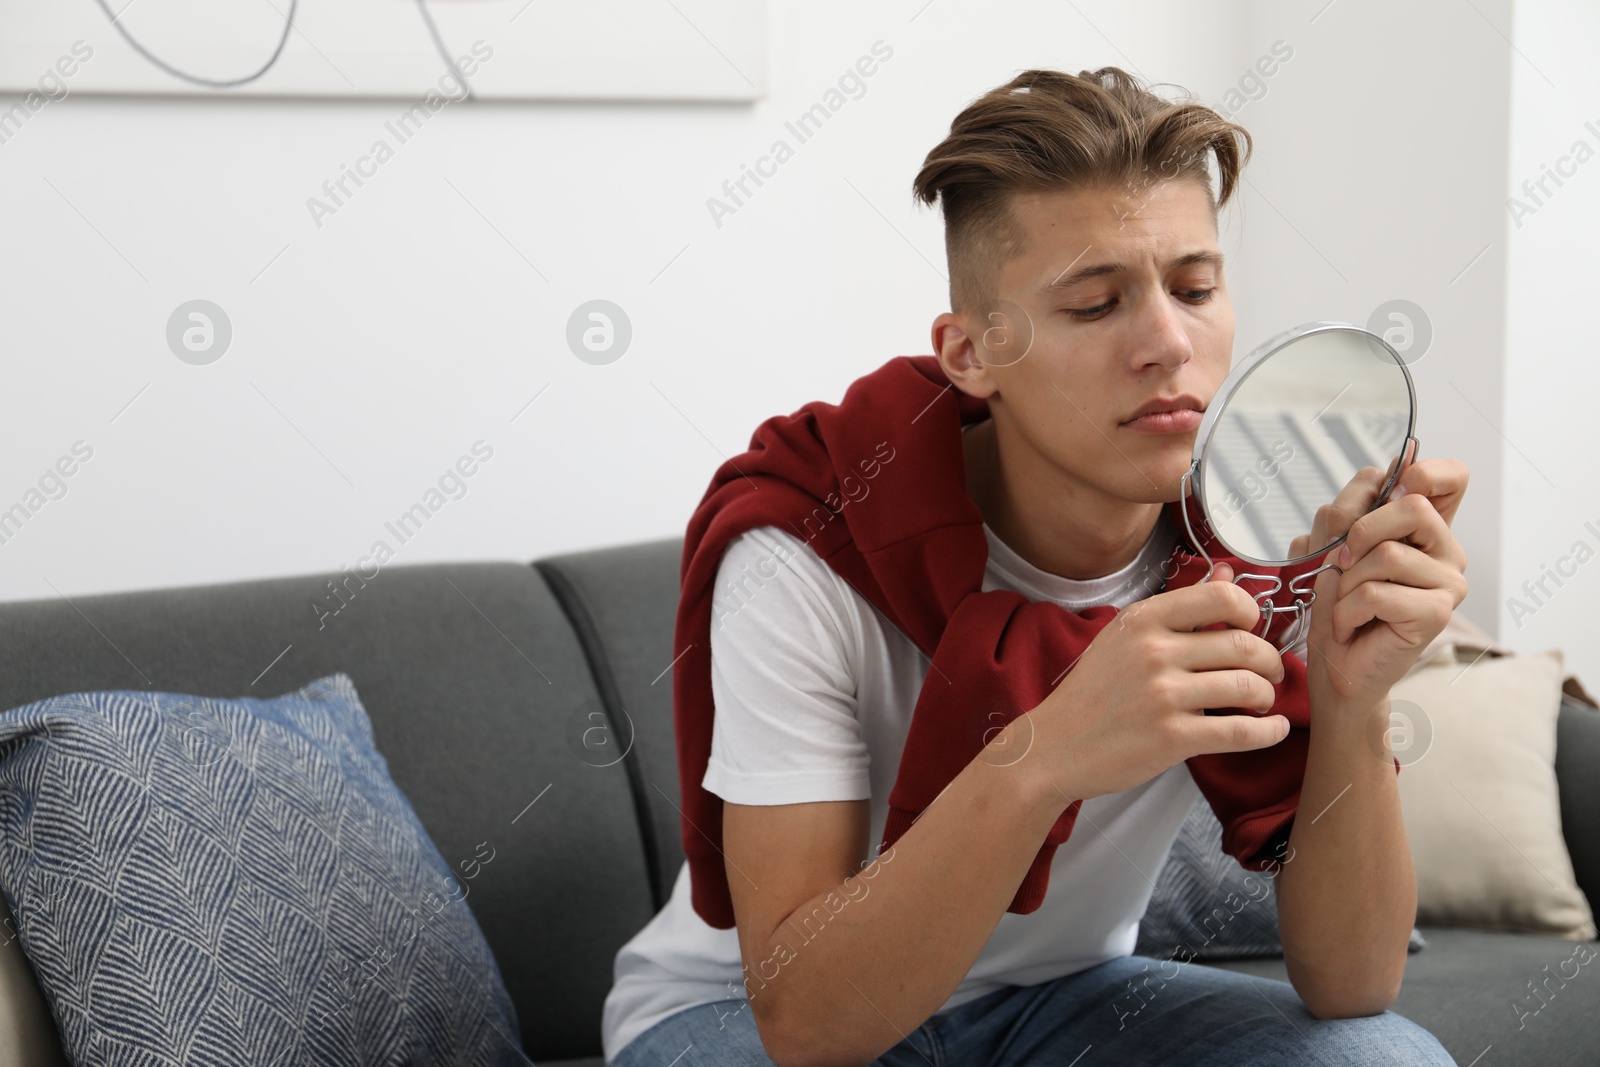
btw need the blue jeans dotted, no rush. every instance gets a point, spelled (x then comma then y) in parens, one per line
(1126, 1012)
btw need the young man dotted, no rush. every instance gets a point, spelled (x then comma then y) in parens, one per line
(947, 620)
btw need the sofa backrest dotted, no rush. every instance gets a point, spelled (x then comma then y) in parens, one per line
(1577, 756)
(622, 603)
(480, 694)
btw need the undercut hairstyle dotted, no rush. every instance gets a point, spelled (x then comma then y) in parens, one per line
(1049, 131)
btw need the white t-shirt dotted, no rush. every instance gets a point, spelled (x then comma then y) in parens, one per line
(814, 691)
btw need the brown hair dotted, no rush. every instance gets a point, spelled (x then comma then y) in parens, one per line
(1046, 130)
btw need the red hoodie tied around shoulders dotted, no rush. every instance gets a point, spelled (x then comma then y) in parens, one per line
(876, 486)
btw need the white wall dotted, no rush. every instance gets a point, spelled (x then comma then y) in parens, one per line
(377, 348)
(1379, 175)
(406, 328)
(1552, 489)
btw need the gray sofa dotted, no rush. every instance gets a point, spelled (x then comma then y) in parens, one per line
(481, 680)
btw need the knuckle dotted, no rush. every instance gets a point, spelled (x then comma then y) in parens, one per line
(1240, 734)
(1171, 733)
(1238, 599)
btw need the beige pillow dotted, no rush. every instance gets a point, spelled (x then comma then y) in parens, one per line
(28, 1035)
(1476, 743)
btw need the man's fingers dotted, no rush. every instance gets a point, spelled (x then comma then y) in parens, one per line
(1443, 481)
(1230, 689)
(1413, 520)
(1212, 650)
(1401, 564)
(1410, 612)
(1234, 733)
(1205, 604)
(1335, 519)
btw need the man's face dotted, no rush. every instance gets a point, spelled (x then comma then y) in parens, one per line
(1102, 344)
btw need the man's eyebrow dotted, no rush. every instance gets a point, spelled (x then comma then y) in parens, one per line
(1100, 270)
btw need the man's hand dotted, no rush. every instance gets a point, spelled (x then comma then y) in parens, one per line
(1403, 576)
(1134, 703)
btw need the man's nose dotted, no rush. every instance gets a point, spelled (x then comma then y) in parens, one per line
(1162, 340)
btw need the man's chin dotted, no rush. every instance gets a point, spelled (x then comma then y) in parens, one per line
(1156, 491)
(1164, 476)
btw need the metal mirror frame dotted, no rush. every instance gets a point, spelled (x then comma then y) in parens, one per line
(1194, 481)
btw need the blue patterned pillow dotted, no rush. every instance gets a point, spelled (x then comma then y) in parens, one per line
(237, 881)
(1207, 907)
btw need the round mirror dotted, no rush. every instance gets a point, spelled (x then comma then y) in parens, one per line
(1290, 427)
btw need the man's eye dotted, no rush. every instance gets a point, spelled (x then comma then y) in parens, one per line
(1091, 313)
(1196, 296)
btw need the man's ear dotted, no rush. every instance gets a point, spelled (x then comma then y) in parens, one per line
(960, 356)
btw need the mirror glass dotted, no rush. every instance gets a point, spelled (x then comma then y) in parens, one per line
(1307, 411)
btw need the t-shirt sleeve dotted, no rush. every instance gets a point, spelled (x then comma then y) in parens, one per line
(785, 728)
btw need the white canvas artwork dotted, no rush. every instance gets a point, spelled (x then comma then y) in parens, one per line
(497, 49)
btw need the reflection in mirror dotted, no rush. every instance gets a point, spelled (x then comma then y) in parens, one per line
(1303, 420)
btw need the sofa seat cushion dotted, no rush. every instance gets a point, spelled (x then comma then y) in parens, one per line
(1533, 999)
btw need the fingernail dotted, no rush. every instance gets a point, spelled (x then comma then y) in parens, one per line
(1344, 556)
(1397, 492)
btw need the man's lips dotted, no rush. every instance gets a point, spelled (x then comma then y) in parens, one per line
(1180, 421)
(1177, 413)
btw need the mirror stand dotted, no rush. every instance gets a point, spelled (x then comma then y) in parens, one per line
(1300, 586)
(1304, 595)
